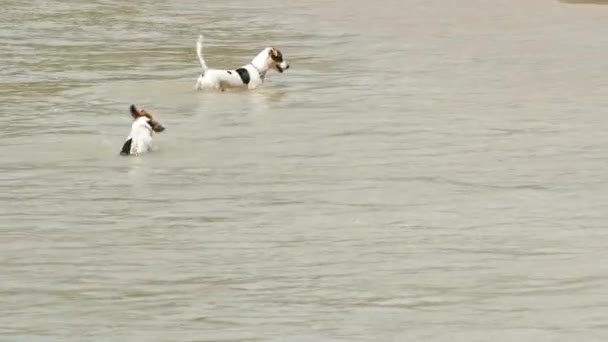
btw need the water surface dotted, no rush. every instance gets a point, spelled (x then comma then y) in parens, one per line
(425, 171)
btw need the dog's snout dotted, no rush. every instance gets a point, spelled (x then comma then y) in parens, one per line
(287, 67)
(158, 128)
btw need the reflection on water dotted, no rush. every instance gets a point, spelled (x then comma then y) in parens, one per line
(422, 172)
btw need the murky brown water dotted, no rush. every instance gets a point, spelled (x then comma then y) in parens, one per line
(425, 171)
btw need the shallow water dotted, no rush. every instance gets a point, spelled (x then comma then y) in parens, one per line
(424, 171)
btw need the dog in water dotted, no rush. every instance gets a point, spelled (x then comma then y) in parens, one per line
(248, 76)
(142, 130)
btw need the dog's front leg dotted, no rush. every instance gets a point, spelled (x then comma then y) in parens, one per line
(253, 85)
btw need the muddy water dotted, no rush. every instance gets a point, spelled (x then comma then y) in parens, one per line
(424, 171)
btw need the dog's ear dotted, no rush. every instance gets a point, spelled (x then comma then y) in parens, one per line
(133, 110)
(275, 54)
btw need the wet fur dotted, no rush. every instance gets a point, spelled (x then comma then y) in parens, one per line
(140, 139)
(156, 126)
(249, 76)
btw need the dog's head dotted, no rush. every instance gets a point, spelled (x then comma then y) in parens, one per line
(276, 59)
(135, 113)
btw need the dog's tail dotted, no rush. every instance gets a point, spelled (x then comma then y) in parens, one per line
(199, 53)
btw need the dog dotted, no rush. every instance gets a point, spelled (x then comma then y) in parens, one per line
(248, 76)
(142, 130)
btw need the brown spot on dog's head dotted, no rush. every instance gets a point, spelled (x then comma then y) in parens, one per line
(156, 126)
(137, 113)
(277, 59)
(276, 55)
(146, 114)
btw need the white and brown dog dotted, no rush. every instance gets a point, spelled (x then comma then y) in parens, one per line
(142, 130)
(248, 76)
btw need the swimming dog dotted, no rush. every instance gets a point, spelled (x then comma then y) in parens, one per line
(248, 76)
(143, 128)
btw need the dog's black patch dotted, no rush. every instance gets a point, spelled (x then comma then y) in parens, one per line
(229, 72)
(244, 75)
(126, 148)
